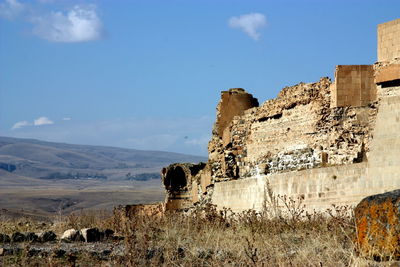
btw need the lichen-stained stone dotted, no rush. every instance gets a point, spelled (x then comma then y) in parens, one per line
(378, 226)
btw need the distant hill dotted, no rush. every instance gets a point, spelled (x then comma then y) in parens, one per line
(48, 160)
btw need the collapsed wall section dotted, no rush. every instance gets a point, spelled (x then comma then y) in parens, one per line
(185, 184)
(233, 103)
(297, 130)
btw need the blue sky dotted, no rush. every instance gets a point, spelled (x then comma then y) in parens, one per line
(148, 74)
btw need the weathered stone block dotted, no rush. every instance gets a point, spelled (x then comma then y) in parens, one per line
(72, 235)
(388, 42)
(18, 237)
(91, 234)
(47, 236)
(388, 73)
(354, 86)
(4, 238)
(378, 225)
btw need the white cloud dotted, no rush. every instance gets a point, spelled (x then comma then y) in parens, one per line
(249, 23)
(20, 124)
(66, 119)
(38, 122)
(42, 121)
(10, 9)
(80, 24)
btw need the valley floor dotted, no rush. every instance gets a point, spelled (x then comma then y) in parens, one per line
(65, 196)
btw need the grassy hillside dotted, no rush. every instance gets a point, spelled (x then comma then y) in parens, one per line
(44, 178)
(48, 160)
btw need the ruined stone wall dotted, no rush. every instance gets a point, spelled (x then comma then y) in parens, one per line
(320, 188)
(389, 40)
(317, 188)
(321, 142)
(298, 134)
(297, 130)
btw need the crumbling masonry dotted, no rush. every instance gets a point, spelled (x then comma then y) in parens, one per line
(324, 142)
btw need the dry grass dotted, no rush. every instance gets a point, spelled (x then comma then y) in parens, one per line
(212, 238)
(57, 223)
(207, 237)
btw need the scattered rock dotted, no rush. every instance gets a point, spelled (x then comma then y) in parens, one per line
(108, 234)
(33, 252)
(9, 251)
(205, 253)
(72, 235)
(377, 222)
(4, 238)
(31, 237)
(91, 234)
(18, 237)
(117, 238)
(47, 236)
(181, 253)
(58, 253)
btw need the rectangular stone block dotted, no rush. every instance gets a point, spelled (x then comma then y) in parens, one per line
(388, 40)
(354, 86)
(389, 73)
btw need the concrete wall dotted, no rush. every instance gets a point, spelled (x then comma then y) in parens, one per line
(389, 40)
(354, 86)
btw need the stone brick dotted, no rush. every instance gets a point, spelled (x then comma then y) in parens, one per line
(354, 86)
(388, 41)
(388, 73)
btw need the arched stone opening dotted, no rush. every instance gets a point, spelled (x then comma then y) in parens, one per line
(175, 179)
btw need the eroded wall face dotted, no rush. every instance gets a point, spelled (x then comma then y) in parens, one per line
(319, 188)
(389, 40)
(354, 86)
(233, 103)
(298, 130)
(185, 184)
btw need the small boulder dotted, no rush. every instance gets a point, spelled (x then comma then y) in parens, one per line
(32, 252)
(377, 221)
(31, 237)
(4, 238)
(91, 234)
(47, 236)
(18, 237)
(72, 235)
(58, 253)
(7, 251)
(108, 234)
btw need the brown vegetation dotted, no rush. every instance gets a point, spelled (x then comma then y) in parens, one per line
(286, 236)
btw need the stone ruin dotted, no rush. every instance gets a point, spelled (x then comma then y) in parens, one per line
(324, 142)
